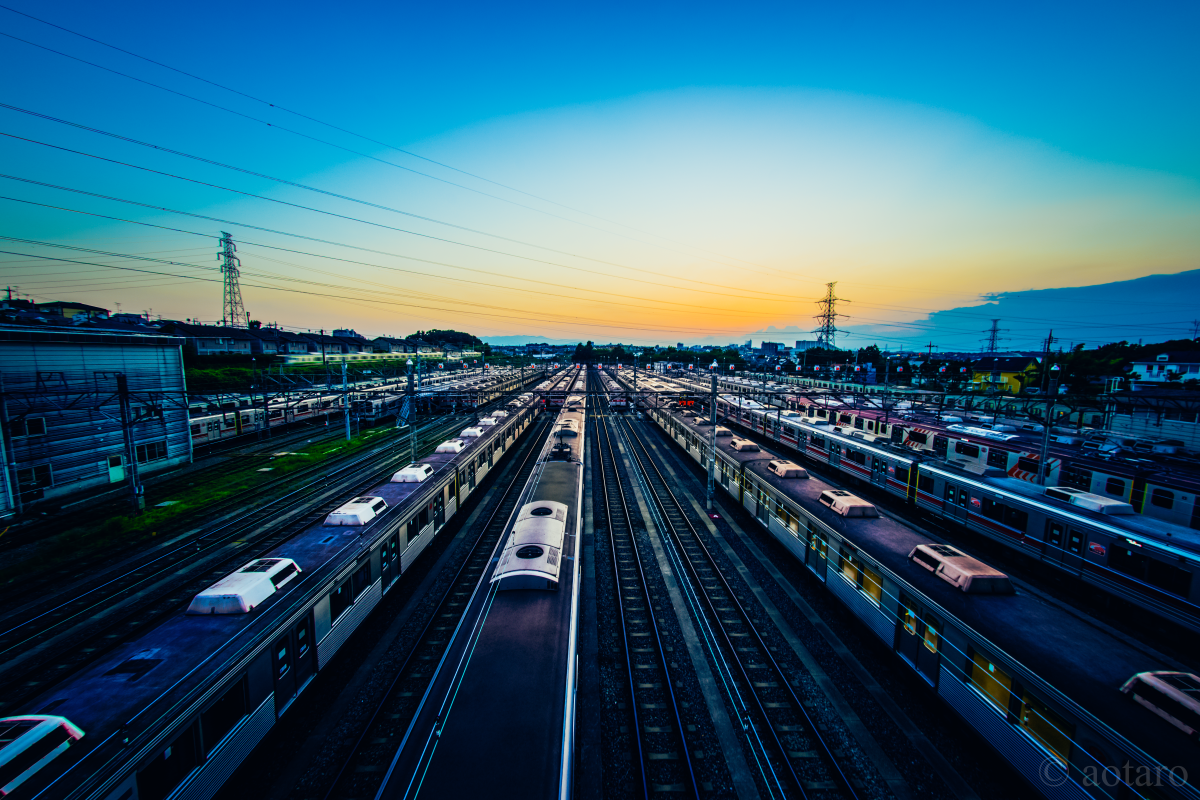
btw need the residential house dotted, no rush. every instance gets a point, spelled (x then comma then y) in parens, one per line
(210, 340)
(71, 310)
(1003, 373)
(386, 344)
(273, 341)
(1166, 368)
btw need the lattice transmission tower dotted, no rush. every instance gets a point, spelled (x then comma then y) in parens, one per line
(233, 311)
(827, 319)
(991, 344)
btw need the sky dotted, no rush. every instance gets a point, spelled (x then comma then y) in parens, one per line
(690, 173)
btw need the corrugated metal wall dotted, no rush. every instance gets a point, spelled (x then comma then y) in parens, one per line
(68, 379)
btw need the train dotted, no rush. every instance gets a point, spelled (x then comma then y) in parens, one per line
(1078, 710)
(1091, 537)
(370, 401)
(175, 710)
(509, 675)
(1170, 491)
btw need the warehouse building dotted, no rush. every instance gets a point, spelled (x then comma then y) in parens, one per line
(86, 409)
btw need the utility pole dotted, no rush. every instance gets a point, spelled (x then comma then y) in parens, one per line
(712, 459)
(233, 312)
(1043, 467)
(1050, 340)
(827, 318)
(136, 497)
(345, 401)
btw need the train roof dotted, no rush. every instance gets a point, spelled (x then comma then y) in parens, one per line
(1077, 658)
(150, 674)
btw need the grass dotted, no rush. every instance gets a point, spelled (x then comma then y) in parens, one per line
(94, 538)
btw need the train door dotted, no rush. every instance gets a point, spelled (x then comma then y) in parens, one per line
(471, 474)
(958, 500)
(292, 659)
(116, 469)
(835, 453)
(919, 638)
(1064, 544)
(818, 549)
(879, 471)
(940, 445)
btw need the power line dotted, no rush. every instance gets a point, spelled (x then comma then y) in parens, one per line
(342, 244)
(316, 190)
(364, 137)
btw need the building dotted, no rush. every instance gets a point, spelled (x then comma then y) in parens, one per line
(771, 348)
(62, 401)
(1165, 369)
(1003, 373)
(212, 340)
(804, 344)
(70, 311)
(1157, 413)
(275, 342)
(386, 344)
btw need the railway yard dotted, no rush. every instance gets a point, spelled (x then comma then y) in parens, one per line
(609, 583)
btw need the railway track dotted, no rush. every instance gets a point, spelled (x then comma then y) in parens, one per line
(50, 641)
(793, 754)
(656, 731)
(363, 768)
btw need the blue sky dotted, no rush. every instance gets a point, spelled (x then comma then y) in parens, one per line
(1083, 115)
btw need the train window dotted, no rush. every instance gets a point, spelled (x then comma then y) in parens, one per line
(817, 442)
(340, 600)
(222, 715)
(1135, 564)
(1075, 541)
(951, 492)
(858, 423)
(940, 443)
(303, 640)
(1115, 487)
(283, 657)
(1016, 518)
(991, 681)
(849, 563)
(997, 458)
(1162, 498)
(902, 474)
(933, 634)
(818, 545)
(925, 483)
(1054, 534)
(1027, 464)
(196, 430)
(966, 449)
(168, 769)
(362, 579)
(856, 457)
(871, 584)
(991, 509)
(908, 618)
(1049, 729)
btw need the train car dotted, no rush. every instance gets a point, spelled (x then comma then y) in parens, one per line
(1040, 683)
(1096, 538)
(173, 712)
(503, 699)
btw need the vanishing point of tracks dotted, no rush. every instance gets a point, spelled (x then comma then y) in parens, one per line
(363, 768)
(787, 747)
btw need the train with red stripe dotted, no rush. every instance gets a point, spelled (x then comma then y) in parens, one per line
(1098, 539)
